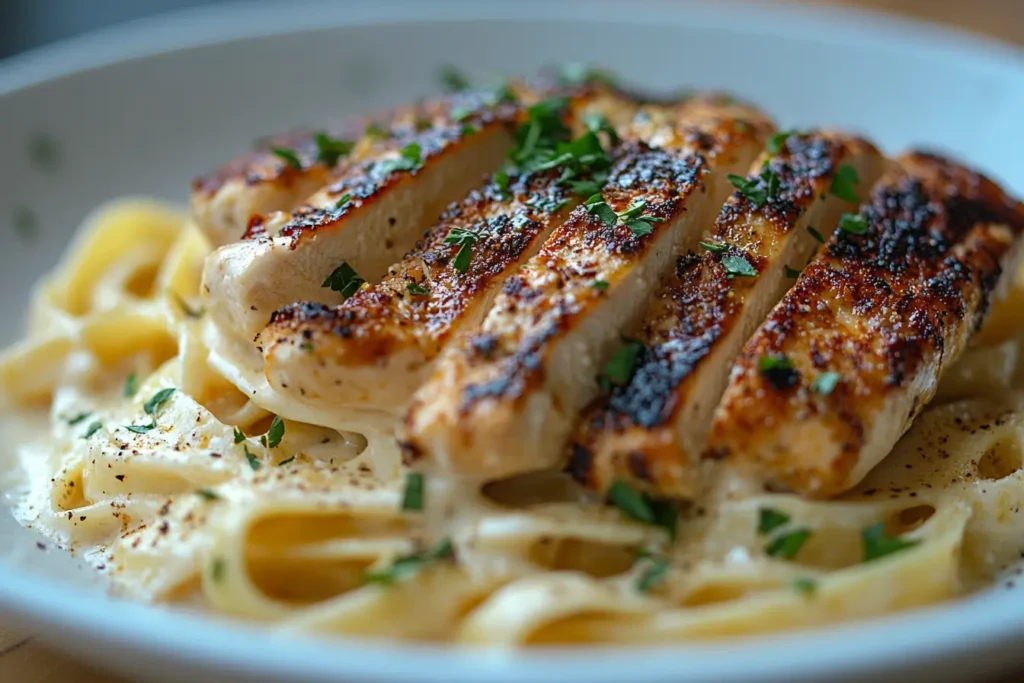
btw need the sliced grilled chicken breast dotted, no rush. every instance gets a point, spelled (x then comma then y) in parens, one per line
(505, 397)
(375, 350)
(650, 430)
(367, 217)
(855, 350)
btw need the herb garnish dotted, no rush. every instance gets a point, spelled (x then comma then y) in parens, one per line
(344, 280)
(416, 289)
(792, 272)
(217, 569)
(407, 565)
(619, 370)
(777, 140)
(737, 266)
(93, 428)
(141, 429)
(207, 494)
(452, 79)
(779, 371)
(714, 248)
(342, 201)
(600, 285)
(844, 183)
(461, 113)
(853, 224)
(752, 190)
(131, 385)
(79, 418)
(329, 150)
(825, 383)
(377, 131)
(254, 462)
(632, 217)
(788, 545)
(598, 123)
(412, 499)
(582, 74)
(188, 310)
(239, 435)
(638, 506)
(655, 572)
(286, 461)
(815, 234)
(501, 182)
(805, 585)
(410, 158)
(769, 520)
(877, 544)
(770, 363)
(158, 400)
(464, 239)
(276, 432)
(289, 156)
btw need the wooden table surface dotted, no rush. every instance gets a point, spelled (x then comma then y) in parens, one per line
(22, 660)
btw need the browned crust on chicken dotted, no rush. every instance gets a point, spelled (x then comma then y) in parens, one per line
(629, 434)
(887, 310)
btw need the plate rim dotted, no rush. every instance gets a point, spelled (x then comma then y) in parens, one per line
(982, 621)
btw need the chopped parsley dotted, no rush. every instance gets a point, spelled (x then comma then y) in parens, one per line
(207, 494)
(344, 280)
(80, 417)
(825, 383)
(653, 574)
(619, 370)
(377, 131)
(600, 285)
(753, 190)
(239, 435)
(276, 432)
(141, 429)
(452, 79)
(737, 266)
(815, 234)
(157, 401)
(461, 113)
(289, 156)
(412, 499)
(217, 569)
(777, 140)
(598, 123)
(187, 309)
(464, 239)
(805, 585)
(792, 272)
(582, 74)
(410, 158)
(844, 184)
(329, 150)
(770, 363)
(769, 520)
(714, 248)
(131, 385)
(632, 217)
(416, 289)
(779, 371)
(342, 202)
(638, 506)
(501, 182)
(788, 545)
(254, 462)
(877, 544)
(853, 224)
(408, 565)
(93, 428)
(25, 222)
(286, 461)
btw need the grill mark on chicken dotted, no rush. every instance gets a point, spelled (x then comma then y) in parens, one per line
(633, 428)
(889, 310)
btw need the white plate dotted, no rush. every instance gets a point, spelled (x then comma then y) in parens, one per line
(142, 108)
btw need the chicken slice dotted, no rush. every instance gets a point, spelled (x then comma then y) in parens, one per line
(504, 398)
(856, 349)
(649, 431)
(366, 217)
(373, 351)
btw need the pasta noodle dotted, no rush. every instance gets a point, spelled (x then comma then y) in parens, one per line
(182, 488)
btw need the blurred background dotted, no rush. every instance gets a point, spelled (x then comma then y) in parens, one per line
(27, 23)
